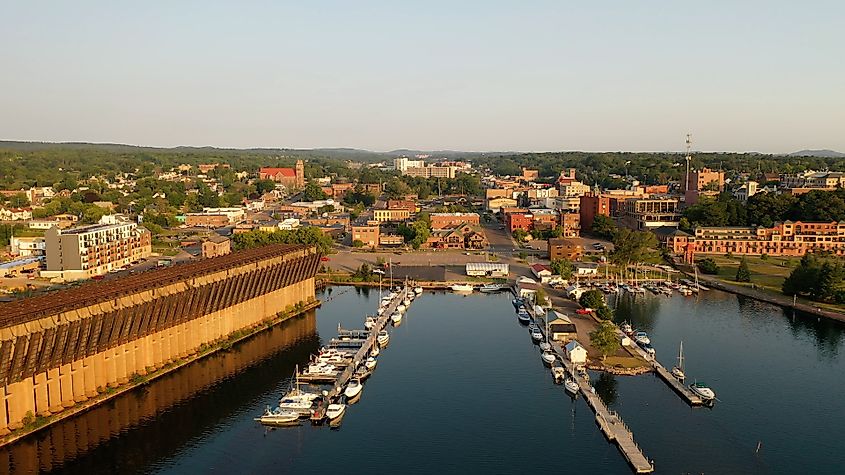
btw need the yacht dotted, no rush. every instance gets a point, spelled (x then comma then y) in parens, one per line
(369, 322)
(353, 389)
(678, 371)
(642, 338)
(370, 363)
(461, 288)
(299, 406)
(375, 351)
(401, 308)
(517, 303)
(406, 302)
(571, 386)
(278, 417)
(362, 373)
(536, 335)
(396, 318)
(703, 391)
(383, 338)
(649, 349)
(548, 357)
(492, 287)
(335, 411)
(418, 290)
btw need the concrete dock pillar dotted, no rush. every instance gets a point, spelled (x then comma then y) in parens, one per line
(41, 394)
(54, 391)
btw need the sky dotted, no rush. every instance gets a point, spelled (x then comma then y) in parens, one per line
(765, 76)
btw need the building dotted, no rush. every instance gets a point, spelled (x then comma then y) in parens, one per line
(232, 215)
(529, 174)
(571, 224)
(402, 164)
(290, 177)
(204, 168)
(573, 189)
(391, 215)
(592, 205)
(15, 214)
(704, 182)
(544, 218)
(575, 352)
(432, 171)
(390, 240)
(216, 245)
(561, 327)
(516, 219)
(451, 220)
(746, 191)
(409, 205)
(87, 251)
(27, 246)
(495, 205)
(676, 242)
(568, 249)
(784, 239)
(487, 269)
(288, 224)
(204, 220)
(465, 236)
(643, 214)
(366, 233)
(542, 272)
(813, 179)
(586, 269)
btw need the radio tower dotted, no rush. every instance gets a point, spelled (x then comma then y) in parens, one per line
(689, 157)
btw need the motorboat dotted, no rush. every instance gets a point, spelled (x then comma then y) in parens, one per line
(523, 317)
(362, 373)
(401, 308)
(571, 386)
(649, 349)
(536, 335)
(545, 346)
(396, 318)
(383, 338)
(517, 303)
(278, 417)
(548, 357)
(492, 288)
(461, 288)
(642, 338)
(558, 374)
(299, 406)
(320, 369)
(371, 363)
(678, 371)
(703, 391)
(418, 290)
(335, 411)
(406, 302)
(369, 323)
(626, 328)
(353, 389)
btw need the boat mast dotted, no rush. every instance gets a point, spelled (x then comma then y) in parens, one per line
(681, 356)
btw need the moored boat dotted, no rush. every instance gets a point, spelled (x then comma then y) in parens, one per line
(703, 391)
(642, 338)
(278, 417)
(371, 363)
(353, 389)
(571, 386)
(536, 335)
(492, 287)
(678, 371)
(548, 357)
(418, 290)
(523, 317)
(335, 411)
(383, 338)
(461, 288)
(396, 318)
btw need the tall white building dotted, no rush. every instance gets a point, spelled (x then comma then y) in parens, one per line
(402, 164)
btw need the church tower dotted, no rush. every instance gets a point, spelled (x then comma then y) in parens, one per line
(300, 174)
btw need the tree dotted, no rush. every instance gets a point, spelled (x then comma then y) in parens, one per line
(592, 299)
(395, 188)
(541, 298)
(743, 274)
(603, 226)
(632, 246)
(263, 186)
(604, 339)
(18, 200)
(604, 312)
(357, 243)
(562, 267)
(520, 234)
(313, 192)
(708, 266)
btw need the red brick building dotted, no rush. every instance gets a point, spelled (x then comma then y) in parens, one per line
(291, 177)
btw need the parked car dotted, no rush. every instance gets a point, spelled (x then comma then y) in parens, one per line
(324, 259)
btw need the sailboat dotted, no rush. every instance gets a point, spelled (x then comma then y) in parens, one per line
(678, 371)
(545, 345)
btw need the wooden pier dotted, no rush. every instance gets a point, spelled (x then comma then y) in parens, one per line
(609, 422)
(367, 344)
(678, 386)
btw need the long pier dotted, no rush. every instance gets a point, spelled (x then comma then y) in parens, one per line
(683, 391)
(368, 344)
(610, 423)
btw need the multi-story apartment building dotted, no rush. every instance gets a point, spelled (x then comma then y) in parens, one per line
(88, 251)
(571, 224)
(452, 220)
(650, 213)
(368, 233)
(27, 246)
(784, 239)
(391, 215)
(568, 249)
(432, 171)
(813, 179)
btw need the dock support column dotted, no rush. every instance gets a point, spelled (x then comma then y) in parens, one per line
(20, 402)
(40, 392)
(4, 416)
(54, 391)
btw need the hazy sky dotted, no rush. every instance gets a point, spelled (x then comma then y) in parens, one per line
(468, 75)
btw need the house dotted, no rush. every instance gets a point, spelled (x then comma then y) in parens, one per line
(216, 245)
(573, 291)
(561, 248)
(15, 214)
(487, 269)
(542, 272)
(586, 269)
(561, 327)
(526, 288)
(575, 352)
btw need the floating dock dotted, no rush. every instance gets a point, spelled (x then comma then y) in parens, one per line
(678, 386)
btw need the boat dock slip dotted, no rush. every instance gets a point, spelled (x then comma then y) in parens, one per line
(343, 333)
(686, 393)
(364, 346)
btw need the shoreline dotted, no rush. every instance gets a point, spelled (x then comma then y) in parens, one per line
(140, 381)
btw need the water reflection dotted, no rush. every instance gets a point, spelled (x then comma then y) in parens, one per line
(157, 419)
(641, 310)
(606, 387)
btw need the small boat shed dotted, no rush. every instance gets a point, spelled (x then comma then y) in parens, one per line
(561, 327)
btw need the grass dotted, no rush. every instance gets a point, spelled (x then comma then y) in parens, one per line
(766, 273)
(627, 362)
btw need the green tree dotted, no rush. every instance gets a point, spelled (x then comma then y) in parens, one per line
(18, 200)
(632, 246)
(708, 266)
(396, 189)
(358, 243)
(604, 312)
(562, 267)
(603, 226)
(541, 298)
(313, 192)
(604, 339)
(592, 299)
(743, 274)
(520, 234)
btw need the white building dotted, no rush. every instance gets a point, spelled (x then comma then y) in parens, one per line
(289, 224)
(575, 352)
(586, 268)
(487, 269)
(746, 191)
(15, 214)
(402, 164)
(27, 246)
(541, 272)
(235, 214)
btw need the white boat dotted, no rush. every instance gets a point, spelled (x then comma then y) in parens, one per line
(548, 357)
(375, 351)
(642, 338)
(353, 389)
(492, 287)
(461, 288)
(396, 318)
(335, 411)
(678, 371)
(626, 328)
(369, 322)
(383, 338)
(703, 391)
(371, 363)
(278, 417)
(536, 334)
(299, 406)
(545, 346)
(401, 308)
(418, 290)
(406, 302)
(571, 386)
(320, 369)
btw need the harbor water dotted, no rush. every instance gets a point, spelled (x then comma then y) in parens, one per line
(461, 388)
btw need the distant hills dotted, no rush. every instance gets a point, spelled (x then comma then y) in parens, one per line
(818, 153)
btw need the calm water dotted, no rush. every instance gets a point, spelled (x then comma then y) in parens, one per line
(462, 389)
